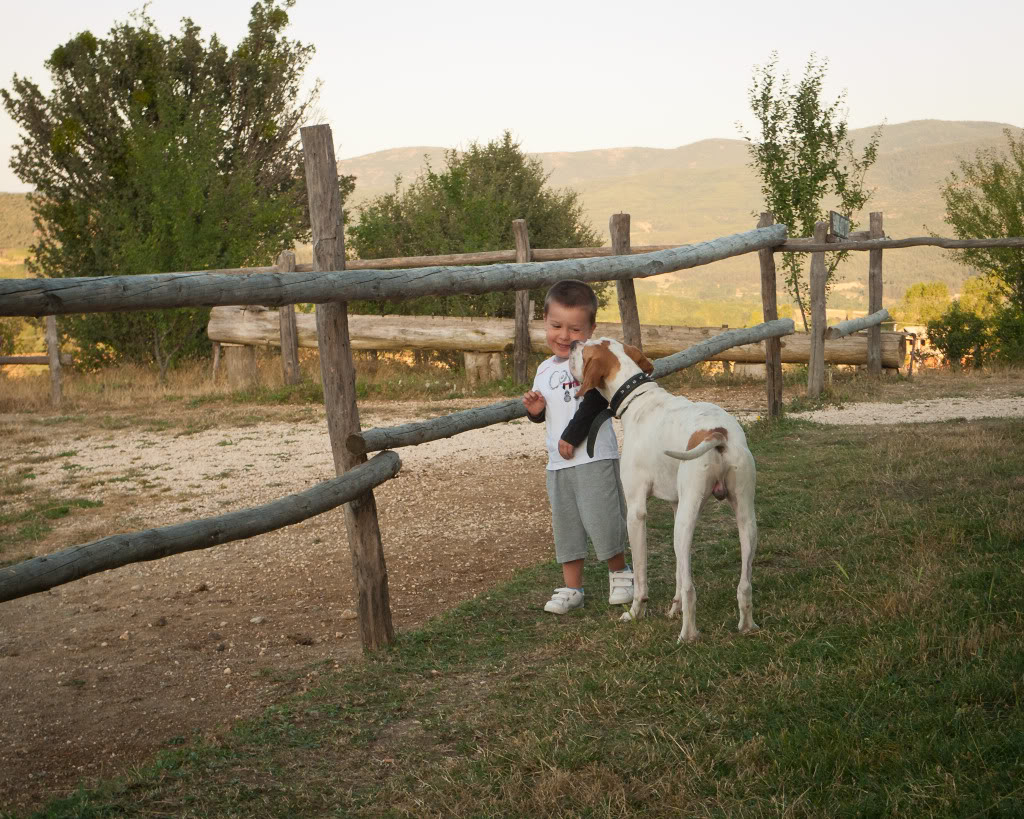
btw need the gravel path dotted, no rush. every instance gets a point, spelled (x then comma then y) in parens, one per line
(918, 412)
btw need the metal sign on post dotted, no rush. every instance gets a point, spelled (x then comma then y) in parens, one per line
(838, 227)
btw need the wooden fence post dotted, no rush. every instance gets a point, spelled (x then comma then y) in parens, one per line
(629, 315)
(53, 353)
(875, 296)
(289, 331)
(521, 345)
(769, 305)
(816, 364)
(339, 382)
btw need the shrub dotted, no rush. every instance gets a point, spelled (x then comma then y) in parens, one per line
(1007, 334)
(959, 335)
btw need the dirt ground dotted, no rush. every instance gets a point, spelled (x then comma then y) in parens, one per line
(98, 674)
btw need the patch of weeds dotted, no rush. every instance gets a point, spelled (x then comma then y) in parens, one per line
(225, 442)
(33, 521)
(69, 453)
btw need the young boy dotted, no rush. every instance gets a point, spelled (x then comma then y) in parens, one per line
(585, 493)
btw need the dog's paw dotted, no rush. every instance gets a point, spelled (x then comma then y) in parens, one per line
(634, 612)
(673, 611)
(693, 637)
(753, 628)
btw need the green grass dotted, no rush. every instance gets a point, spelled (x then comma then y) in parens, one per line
(30, 525)
(886, 678)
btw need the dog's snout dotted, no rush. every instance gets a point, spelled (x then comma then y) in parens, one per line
(574, 345)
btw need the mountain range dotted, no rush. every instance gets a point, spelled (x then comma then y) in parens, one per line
(707, 189)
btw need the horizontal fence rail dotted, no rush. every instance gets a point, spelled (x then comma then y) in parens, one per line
(39, 297)
(845, 328)
(810, 246)
(446, 426)
(42, 573)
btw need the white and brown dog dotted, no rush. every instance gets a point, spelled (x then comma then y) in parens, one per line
(679, 451)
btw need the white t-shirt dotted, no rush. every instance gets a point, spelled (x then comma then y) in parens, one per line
(556, 384)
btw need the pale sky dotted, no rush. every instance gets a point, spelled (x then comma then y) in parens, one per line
(572, 76)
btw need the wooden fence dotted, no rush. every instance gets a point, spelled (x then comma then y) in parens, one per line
(330, 286)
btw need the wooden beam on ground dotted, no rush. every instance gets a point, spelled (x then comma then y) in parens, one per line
(41, 573)
(521, 344)
(38, 359)
(629, 312)
(770, 309)
(289, 334)
(338, 374)
(816, 364)
(39, 297)
(259, 327)
(875, 297)
(446, 426)
(845, 328)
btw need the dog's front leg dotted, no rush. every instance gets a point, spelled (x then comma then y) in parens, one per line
(636, 528)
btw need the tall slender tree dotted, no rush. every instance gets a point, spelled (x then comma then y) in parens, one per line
(805, 160)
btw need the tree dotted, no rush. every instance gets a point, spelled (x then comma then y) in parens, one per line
(959, 335)
(985, 199)
(922, 303)
(802, 155)
(469, 207)
(156, 154)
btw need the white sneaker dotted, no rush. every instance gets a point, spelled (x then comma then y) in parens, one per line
(565, 600)
(620, 587)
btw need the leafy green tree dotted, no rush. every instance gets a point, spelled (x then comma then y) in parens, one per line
(468, 207)
(922, 302)
(983, 296)
(802, 155)
(985, 199)
(959, 335)
(159, 153)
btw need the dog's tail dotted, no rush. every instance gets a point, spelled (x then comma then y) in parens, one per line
(700, 442)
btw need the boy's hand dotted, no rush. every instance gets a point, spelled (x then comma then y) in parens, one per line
(534, 402)
(565, 449)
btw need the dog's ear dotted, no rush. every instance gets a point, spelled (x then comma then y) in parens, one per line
(642, 361)
(598, 363)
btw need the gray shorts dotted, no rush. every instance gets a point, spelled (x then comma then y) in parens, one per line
(587, 500)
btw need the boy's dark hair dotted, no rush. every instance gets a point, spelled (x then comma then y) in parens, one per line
(573, 293)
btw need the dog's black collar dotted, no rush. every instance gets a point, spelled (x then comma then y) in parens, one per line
(612, 410)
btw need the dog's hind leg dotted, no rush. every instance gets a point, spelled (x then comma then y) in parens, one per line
(690, 500)
(676, 605)
(741, 498)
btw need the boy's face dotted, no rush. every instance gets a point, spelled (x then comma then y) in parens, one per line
(564, 325)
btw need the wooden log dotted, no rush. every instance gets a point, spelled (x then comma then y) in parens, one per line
(811, 246)
(446, 426)
(816, 364)
(521, 345)
(629, 313)
(53, 357)
(289, 335)
(339, 382)
(216, 361)
(242, 368)
(259, 327)
(477, 368)
(875, 297)
(37, 359)
(770, 309)
(845, 328)
(42, 573)
(39, 297)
